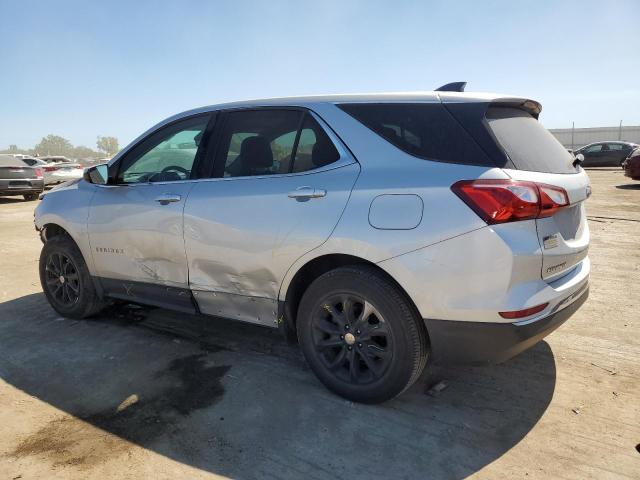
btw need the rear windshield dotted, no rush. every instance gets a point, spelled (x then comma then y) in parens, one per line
(424, 130)
(528, 144)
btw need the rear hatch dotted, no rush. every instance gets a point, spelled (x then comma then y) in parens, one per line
(536, 156)
(14, 172)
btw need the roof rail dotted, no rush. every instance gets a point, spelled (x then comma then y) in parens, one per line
(452, 87)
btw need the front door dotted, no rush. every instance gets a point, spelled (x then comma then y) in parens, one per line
(135, 223)
(280, 186)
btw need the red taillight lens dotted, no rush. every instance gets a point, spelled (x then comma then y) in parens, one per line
(500, 201)
(50, 169)
(527, 312)
(38, 172)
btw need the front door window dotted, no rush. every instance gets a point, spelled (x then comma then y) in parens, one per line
(166, 156)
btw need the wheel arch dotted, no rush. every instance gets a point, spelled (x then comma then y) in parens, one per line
(307, 273)
(51, 230)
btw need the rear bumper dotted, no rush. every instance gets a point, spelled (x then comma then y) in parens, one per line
(20, 187)
(458, 342)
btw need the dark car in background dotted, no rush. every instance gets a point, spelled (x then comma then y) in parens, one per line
(16, 178)
(631, 165)
(605, 154)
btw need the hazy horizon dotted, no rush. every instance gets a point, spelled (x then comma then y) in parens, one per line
(80, 70)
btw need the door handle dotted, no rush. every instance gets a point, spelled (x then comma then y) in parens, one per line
(167, 198)
(305, 193)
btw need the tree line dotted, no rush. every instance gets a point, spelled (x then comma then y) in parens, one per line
(57, 145)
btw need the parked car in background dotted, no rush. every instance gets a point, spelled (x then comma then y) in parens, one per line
(380, 231)
(61, 169)
(17, 178)
(47, 168)
(605, 154)
(631, 165)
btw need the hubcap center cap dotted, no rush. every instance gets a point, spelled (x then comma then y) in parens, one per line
(350, 338)
(61, 278)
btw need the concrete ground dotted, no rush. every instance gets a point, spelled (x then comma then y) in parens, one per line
(147, 393)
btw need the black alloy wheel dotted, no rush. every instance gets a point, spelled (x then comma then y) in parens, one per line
(352, 338)
(62, 279)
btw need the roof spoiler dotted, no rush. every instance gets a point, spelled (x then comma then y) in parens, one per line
(452, 87)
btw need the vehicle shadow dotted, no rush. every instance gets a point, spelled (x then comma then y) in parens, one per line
(629, 186)
(9, 200)
(237, 400)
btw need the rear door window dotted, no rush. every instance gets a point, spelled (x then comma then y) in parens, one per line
(315, 149)
(616, 146)
(258, 142)
(272, 141)
(528, 144)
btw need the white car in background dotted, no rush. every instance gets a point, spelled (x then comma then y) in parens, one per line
(60, 169)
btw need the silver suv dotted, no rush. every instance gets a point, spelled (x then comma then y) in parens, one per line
(379, 231)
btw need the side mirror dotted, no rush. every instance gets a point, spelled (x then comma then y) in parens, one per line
(98, 174)
(578, 160)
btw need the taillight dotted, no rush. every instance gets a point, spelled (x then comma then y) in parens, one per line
(50, 169)
(500, 201)
(38, 172)
(552, 199)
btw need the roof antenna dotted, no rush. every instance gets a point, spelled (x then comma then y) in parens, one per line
(452, 87)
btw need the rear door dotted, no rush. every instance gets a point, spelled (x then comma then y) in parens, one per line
(616, 154)
(538, 157)
(280, 183)
(593, 155)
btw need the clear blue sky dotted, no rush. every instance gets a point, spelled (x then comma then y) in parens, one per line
(85, 68)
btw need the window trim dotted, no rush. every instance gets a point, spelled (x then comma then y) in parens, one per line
(203, 147)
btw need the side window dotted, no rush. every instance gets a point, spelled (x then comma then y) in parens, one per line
(615, 146)
(267, 142)
(424, 130)
(167, 155)
(593, 149)
(258, 142)
(315, 148)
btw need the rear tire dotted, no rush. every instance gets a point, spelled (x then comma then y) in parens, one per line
(66, 281)
(30, 197)
(360, 334)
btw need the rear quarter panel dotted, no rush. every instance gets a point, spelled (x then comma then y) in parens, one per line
(386, 170)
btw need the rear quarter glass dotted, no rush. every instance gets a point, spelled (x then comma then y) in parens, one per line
(424, 130)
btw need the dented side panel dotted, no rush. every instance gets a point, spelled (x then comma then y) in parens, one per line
(242, 234)
(134, 237)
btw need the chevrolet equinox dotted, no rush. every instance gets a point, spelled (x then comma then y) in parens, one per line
(379, 231)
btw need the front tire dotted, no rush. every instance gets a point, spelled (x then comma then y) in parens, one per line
(66, 281)
(361, 335)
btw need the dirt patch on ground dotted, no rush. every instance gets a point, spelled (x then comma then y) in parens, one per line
(86, 441)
